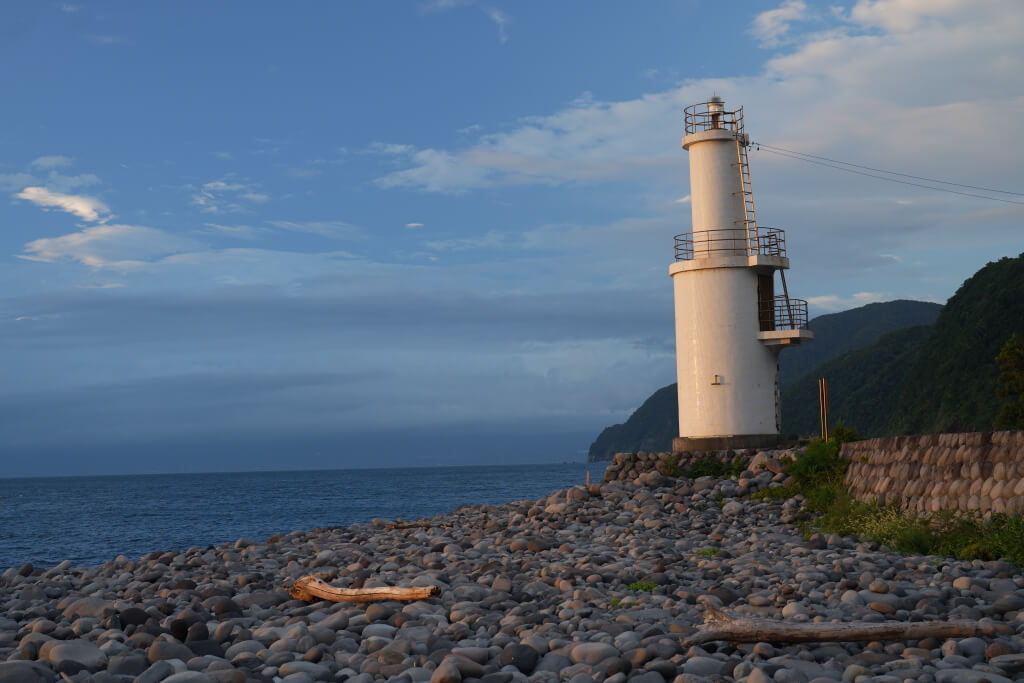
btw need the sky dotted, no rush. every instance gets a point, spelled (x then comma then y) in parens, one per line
(263, 235)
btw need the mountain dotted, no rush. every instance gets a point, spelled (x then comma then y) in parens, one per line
(933, 379)
(861, 384)
(838, 333)
(655, 423)
(651, 428)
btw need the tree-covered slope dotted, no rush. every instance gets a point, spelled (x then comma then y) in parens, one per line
(651, 428)
(929, 379)
(857, 328)
(862, 384)
(655, 423)
(951, 385)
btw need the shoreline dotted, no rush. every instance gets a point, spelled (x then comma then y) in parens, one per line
(586, 584)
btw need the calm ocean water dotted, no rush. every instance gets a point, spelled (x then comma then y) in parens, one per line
(90, 520)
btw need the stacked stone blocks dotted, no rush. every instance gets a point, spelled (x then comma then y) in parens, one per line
(965, 472)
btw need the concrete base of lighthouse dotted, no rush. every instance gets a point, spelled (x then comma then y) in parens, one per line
(722, 443)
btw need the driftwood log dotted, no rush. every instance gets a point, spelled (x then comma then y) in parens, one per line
(719, 626)
(310, 588)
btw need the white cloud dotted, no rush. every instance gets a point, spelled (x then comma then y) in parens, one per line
(48, 162)
(86, 208)
(102, 246)
(906, 15)
(413, 225)
(219, 196)
(830, 302)
(683, 200)
(771, 27)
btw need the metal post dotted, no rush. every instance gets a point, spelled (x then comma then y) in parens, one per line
(823, 407)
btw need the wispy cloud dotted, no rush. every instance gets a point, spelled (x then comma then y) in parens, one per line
(86, 208)
(500, 19)
(239, 231)
(413, 225)
(16, 181)
(107, 40)
(772, 26)
(331, 229)
(102, 246)
(219, 196)
(48, 162)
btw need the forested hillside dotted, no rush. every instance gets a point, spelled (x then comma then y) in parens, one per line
(940, 378)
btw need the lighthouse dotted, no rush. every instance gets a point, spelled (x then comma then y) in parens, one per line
(731, 324)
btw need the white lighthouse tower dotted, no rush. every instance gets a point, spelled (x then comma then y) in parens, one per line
(730, 324)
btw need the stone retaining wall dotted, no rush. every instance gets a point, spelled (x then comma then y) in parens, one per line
(981, 471)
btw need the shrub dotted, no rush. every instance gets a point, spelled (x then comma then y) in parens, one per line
(669, 466)
(818, 464)
(709, 552)
(711, 466)
(1011, 384)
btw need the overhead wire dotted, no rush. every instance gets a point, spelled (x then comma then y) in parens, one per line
(841, 166)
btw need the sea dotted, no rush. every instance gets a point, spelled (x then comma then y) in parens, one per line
(90, 520)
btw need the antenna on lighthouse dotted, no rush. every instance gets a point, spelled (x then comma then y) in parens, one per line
(730, 326)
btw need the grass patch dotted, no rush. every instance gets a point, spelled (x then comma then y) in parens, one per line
(616, 602)
(819, 474)
(709, 552)
(644, 586)
(711, 466)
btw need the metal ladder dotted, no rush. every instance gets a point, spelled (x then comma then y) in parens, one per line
(749, 215)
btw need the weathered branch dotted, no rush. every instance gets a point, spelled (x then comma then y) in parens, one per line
(310, 588)
(748, 630)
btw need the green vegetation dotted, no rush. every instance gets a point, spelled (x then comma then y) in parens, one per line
(838, 333)
(921, 380)
(819, 476)
(1011, 384)
(616, 602)
(710, 466)
(709, 552)
(644, 586)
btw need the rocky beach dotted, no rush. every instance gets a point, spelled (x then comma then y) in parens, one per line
(588, 584)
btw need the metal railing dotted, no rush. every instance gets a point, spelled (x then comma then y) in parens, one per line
(783, 314)
(701, 117)
(769, 242)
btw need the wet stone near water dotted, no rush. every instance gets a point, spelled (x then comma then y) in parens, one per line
(586, 585)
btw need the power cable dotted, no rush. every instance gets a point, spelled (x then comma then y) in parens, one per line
(882, 170)
(798, 157)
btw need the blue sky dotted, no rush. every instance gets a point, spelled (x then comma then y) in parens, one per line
(330, 222)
